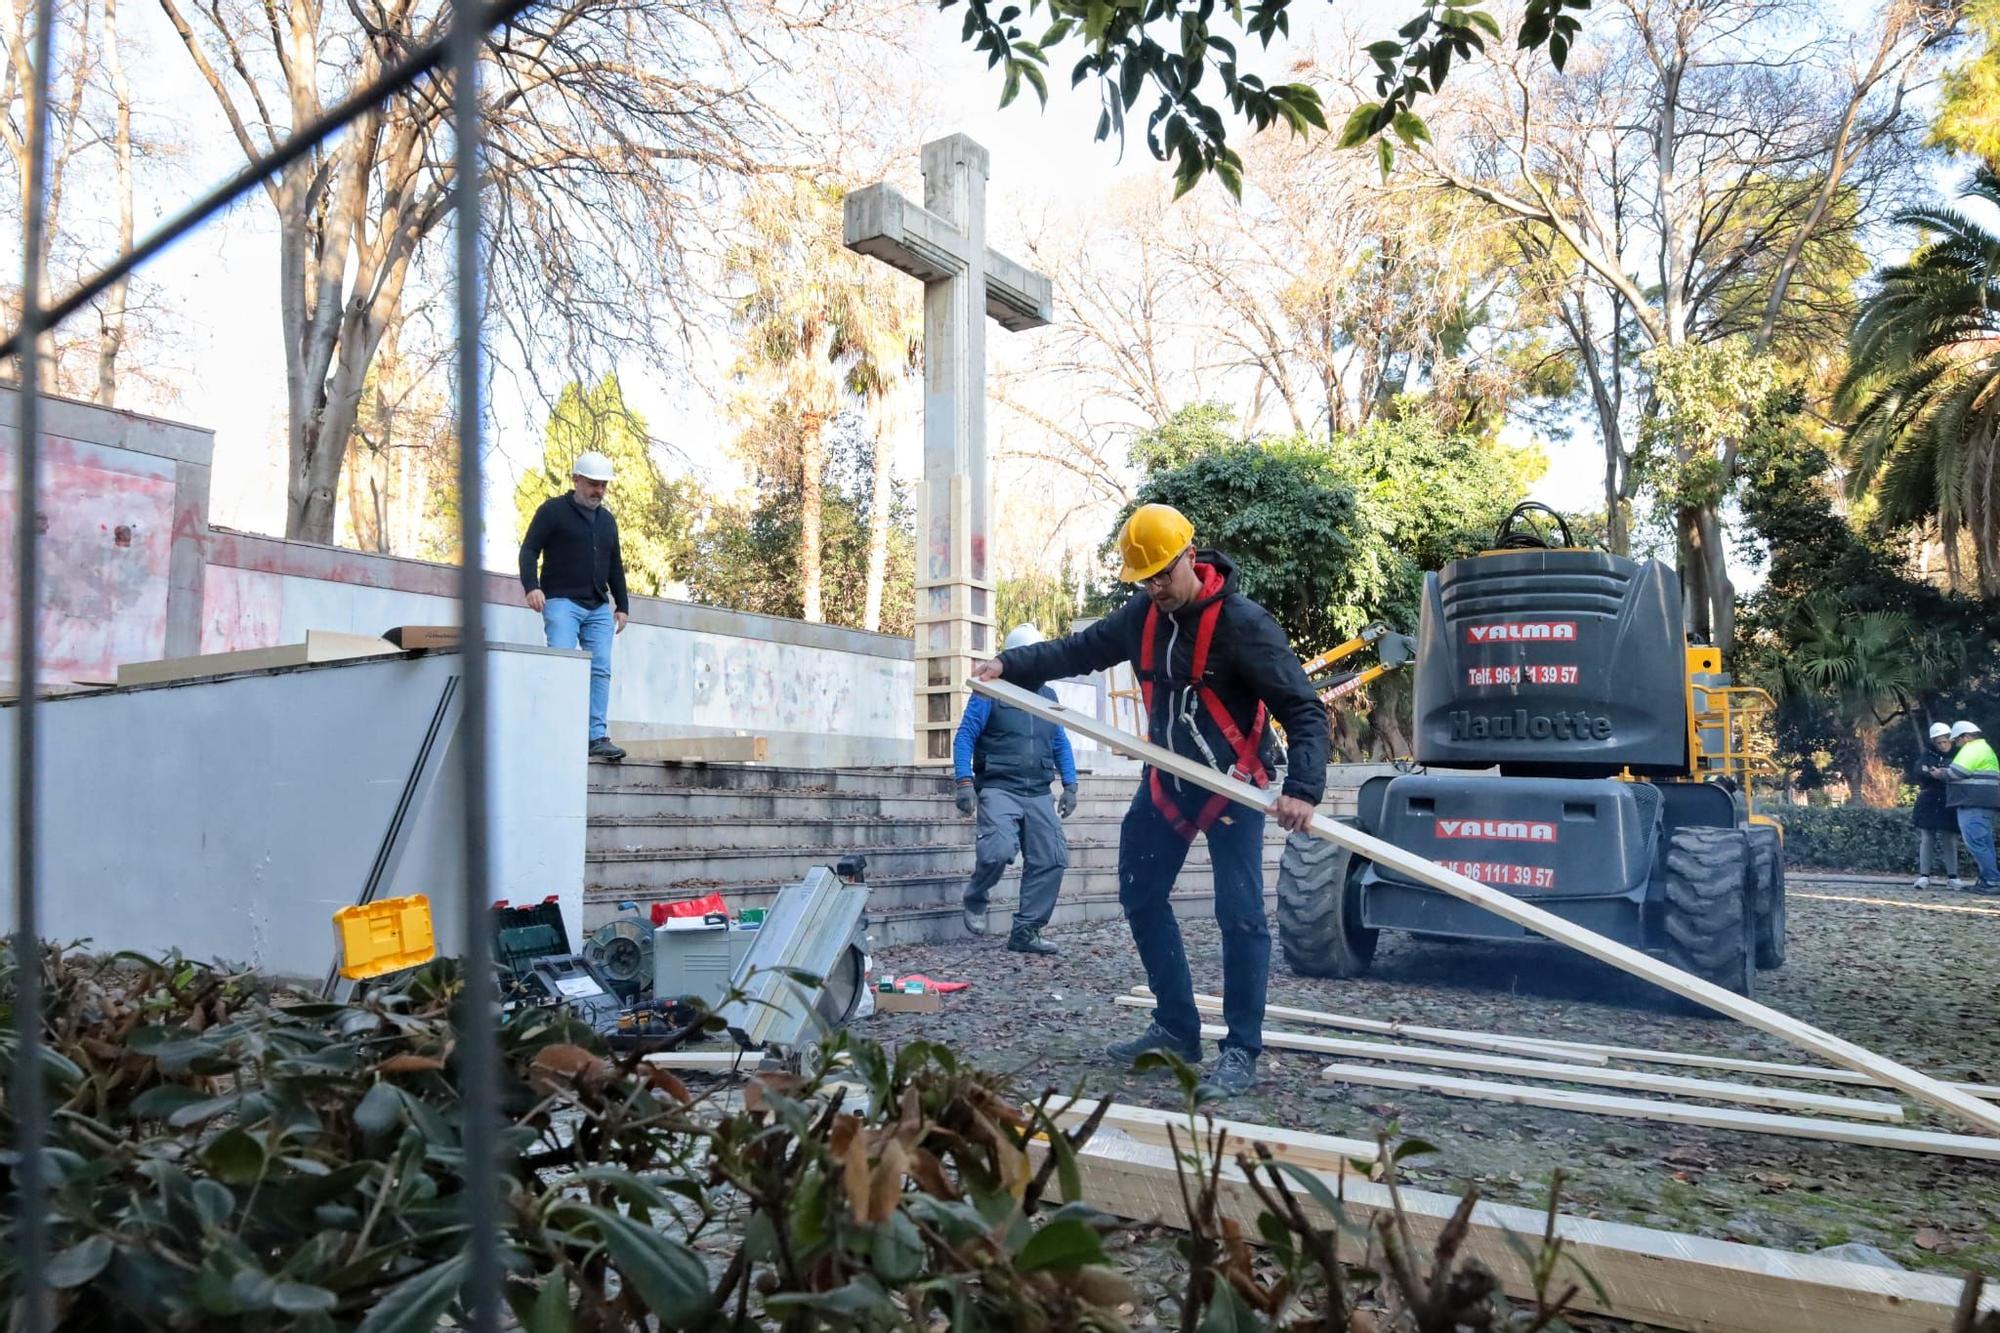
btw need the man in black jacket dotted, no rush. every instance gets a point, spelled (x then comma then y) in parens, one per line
(574, 574)
(1215, 670)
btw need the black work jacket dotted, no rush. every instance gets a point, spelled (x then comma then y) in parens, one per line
(568, 553)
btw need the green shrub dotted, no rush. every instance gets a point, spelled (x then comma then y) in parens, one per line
(1849, 837)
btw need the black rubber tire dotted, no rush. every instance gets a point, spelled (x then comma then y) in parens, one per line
(1319, 910)
(1709, 917)
(1767, 872)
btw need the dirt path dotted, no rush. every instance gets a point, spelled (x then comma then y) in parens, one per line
(1920, 985)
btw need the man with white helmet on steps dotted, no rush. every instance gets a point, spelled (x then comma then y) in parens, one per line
(574, 575)
(1004, 760)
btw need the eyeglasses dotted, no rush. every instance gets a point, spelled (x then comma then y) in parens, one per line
(1160, 579)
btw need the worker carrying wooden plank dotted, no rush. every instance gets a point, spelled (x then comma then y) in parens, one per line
(1215, 671)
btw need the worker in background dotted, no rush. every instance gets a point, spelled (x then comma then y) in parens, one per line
(1937, 825)
(1005, 759)
(574, 574)
(1972, 789)
(1215, 671)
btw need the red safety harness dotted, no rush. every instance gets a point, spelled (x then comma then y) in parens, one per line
(1248, 766)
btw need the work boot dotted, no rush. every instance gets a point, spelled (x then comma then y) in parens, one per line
(1154, 1038)
(1235, 1073)
(605, 748)
(1922, 882)
(1027, 939)
(975, 917)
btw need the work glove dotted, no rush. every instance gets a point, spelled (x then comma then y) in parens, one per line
(1067, 805)
(967, 799)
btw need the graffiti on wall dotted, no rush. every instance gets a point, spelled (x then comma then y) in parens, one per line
(106, 521)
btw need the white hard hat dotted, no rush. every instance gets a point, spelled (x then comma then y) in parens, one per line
(1022, 635)
(591, 465)
(1939, 729)
(1963, 728)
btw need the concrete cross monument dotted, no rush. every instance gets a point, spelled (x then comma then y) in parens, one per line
(943, 243)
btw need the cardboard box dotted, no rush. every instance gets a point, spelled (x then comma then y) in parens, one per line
(408, 637)
(907, 1002)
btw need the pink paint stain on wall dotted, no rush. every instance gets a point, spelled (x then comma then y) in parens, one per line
(106, 535)
(240, 608)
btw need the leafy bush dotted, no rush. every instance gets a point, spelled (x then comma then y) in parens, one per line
(1849, 837)
(224, 1157)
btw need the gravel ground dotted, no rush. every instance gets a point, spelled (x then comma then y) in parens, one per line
(1922, 986)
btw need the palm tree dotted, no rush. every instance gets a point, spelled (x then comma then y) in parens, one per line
(1867, 667)
(822, 330)
(1923, 385)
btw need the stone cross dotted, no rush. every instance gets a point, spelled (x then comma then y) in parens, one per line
(943, 243)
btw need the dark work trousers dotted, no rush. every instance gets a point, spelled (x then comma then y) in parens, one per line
(1150, 855)
(1011, 822)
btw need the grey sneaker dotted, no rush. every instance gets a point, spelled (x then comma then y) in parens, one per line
(1154, 1038)
(1027, 939)
(975, 917)
(1235, 1073)
(605, 748)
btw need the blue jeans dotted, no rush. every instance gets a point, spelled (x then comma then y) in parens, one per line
(1150, 856)
(1975, 830)
(570, 625)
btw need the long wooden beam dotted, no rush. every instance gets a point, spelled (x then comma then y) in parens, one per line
(1149, 1125)
(1142, 998)
(1659, 1278)
(1976, 1146)
(1574, 1052)
(1783, 1098)
(1507, 907)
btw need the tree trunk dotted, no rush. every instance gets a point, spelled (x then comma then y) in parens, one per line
(881, 494)
(812, 468)
(1875, 783)
(111, 331)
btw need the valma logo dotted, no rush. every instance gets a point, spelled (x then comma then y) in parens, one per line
(1523, 631)
(1498, 830)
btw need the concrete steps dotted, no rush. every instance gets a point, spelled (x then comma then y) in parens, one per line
(661, 832)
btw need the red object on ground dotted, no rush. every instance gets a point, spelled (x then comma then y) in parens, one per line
(696, 907)
(941, 987)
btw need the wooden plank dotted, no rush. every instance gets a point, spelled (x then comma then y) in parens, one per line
(700, 749)
(1574, 1052)
(1507, 907)
(411, 637)
(320, 646)
(1142, 998)
(1661, 1279)
(1149, 1125)
(1783, 1098)
(1895, 902)
(713, 1062)
(1976, 1146)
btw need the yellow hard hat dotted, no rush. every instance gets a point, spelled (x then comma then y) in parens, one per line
(1153, 537)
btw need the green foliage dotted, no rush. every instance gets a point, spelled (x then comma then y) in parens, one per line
(1050, 601)
(746, 556)
(1848, 837)
(1968, 110)
(1290, 519)
(1194, 430)
(654, 514)
(1923, 384)
(1172, 47)
(1707, 397)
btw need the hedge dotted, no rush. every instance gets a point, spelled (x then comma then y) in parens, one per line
(1848, 837)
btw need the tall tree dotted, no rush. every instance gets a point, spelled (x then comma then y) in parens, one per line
(1727, 162)
(655, 516)
(1923, 383)
(608, 127)
(821, 330)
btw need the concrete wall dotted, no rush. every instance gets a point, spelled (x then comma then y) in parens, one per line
(823, 695)
(231, 817)
(124, 508)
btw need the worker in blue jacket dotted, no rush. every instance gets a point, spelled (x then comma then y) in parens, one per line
(1005, 760)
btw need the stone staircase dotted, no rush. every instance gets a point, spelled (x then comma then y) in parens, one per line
(661, 832)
